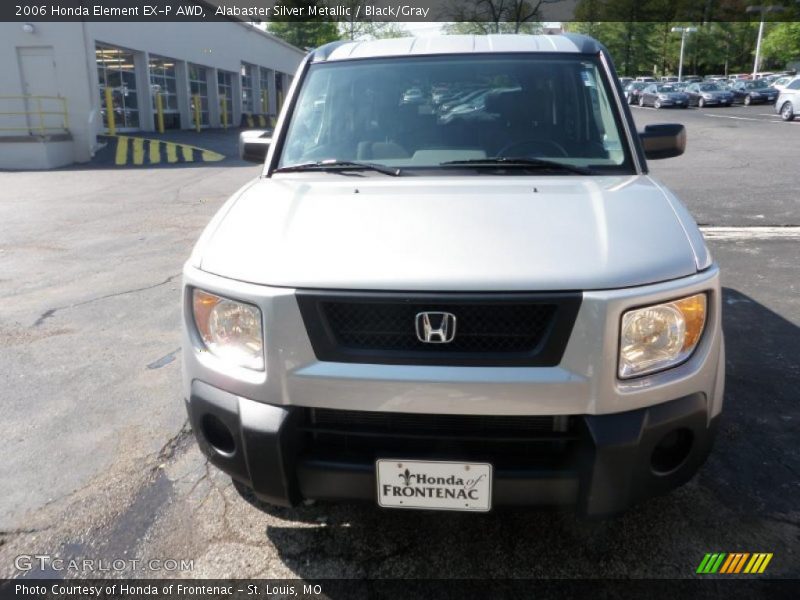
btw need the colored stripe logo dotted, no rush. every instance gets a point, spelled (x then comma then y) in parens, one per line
(734, 563)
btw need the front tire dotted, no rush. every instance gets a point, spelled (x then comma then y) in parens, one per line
(787, 112)
(641, 101)
(701, 103)
(748, 100)
(657, 104)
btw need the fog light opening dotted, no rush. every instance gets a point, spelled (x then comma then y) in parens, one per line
(217, 434)
(672, 451)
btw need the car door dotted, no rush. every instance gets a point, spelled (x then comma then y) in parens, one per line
(693, 91)
(738, 91)
(791, 93)
(647, 95)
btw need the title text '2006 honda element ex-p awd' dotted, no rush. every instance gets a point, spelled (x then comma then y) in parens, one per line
(455, 286)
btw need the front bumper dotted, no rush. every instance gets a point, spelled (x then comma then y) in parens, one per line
(601, 465)
(717, 101)
(666, 103)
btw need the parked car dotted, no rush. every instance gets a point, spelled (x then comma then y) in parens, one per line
(460, 342)
(646, 79)
(781, 82)
(669, 79)
(692, 78)
(753, 92)
(708, 94)
(633, 90)
(662, 95)
(624, 81)
(788, 102)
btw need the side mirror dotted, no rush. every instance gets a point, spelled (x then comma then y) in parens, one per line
(663, 141)
(254, 144)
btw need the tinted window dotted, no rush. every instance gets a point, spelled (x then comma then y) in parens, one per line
(795, 85)
(424, 111)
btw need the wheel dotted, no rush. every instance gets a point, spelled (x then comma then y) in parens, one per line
(748, 100)
(657, 104)
(787, 112)
(641, 100)
(701, 103)
(685, 105)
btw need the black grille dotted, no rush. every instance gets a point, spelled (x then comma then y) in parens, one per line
(414, 424)
(363, 436)
(491, 329)
(479, 328)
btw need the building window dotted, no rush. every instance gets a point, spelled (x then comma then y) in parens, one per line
(225, 83)
(198, 92)
(163, 82)
(116, 71)
(279, 89)
(264, 80)
(248, 106)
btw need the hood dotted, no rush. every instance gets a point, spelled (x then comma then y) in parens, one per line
(449, 233)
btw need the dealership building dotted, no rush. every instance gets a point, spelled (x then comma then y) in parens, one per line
(61, 80)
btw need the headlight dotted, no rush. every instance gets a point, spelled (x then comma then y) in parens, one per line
(707, 96)
(230, 330)
(663, 97)
(657, 337)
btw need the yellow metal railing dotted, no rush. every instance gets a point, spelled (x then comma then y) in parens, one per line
(160, 112)
(111, 122)
(41, 114)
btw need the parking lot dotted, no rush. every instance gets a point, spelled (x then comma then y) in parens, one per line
(99, 462)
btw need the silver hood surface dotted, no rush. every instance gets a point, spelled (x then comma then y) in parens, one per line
(369, 231)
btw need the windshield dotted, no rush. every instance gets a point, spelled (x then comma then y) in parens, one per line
(753, 85)
(422, 112)
(667, 88)
(709, 87)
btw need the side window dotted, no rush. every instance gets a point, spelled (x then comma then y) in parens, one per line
(795, 85)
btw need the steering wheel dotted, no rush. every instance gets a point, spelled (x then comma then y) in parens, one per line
(538, 144)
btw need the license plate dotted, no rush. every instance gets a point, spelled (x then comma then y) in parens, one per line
(434, 485)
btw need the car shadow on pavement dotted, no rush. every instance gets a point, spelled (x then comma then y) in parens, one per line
(743, 499)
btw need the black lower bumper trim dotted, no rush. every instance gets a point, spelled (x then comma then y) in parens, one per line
(609, 468)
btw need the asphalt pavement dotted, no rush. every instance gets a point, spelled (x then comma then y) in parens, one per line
(99, 462)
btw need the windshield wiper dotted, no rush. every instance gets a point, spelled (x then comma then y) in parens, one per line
(339, 165)
(517, 163)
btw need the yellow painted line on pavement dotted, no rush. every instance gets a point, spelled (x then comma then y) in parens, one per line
(147, 151)
(122, 150)
(155, 151)
(211, 156)
(172, 152)
(138, 151)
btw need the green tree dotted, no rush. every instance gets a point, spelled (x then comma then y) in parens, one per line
(782, 43)
(303, 31)
(352, 28)
(496, 16)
